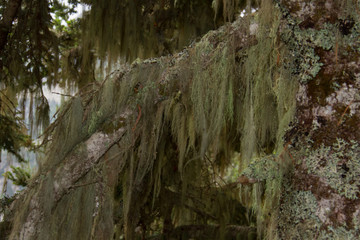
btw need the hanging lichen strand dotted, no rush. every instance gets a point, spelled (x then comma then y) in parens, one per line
(140, 29)
(148, 28)
(183, 120)
(209, 109)
(268, 107)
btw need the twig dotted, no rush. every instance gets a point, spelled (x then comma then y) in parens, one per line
(336, 52)
(62, 94)
(342, 115)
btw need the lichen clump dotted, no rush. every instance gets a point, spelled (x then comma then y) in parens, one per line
(338, 166)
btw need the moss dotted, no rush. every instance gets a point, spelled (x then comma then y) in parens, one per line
(110, 126)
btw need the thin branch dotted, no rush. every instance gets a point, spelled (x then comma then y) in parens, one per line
(342, 115)
(62, 94)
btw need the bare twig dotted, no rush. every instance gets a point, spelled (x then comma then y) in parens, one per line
(62, 94)
(138, 118)
(342, 115)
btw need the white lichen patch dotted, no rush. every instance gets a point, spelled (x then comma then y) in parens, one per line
(97, 205)
(83, 158)
(301, 96)
(306, 8)
(347, 95)
(253, 28)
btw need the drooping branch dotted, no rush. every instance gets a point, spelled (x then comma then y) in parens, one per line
(7, 20)
(84, 133)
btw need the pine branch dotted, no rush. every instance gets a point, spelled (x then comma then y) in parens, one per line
(7, 20)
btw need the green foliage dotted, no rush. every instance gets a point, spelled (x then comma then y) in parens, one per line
(267, 108)
(55, 53)
(30, 58)
(18, 175)
(166, 148)
(175, 147)
(32, 39)
(12, 136)
(212, 91)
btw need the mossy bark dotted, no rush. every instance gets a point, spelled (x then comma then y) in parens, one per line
(276, 94)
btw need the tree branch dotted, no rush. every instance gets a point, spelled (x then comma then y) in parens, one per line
(9, 15)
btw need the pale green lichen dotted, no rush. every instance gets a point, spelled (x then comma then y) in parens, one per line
(338, 165)
(352, 39)
(212, 90)
(324, 38)
(262, 169)
(297, 216)
(338, 233)
(269, 90)
(299, 220)
(302, 44)
(306, 206)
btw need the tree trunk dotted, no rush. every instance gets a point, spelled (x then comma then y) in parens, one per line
(277, 93)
